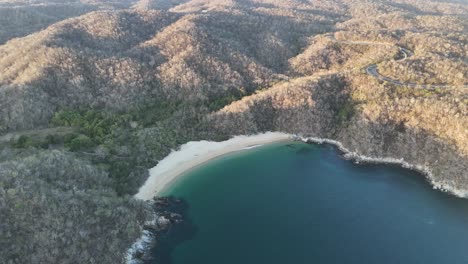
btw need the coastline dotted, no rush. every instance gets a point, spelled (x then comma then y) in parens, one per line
(196, 153)
(446, 187)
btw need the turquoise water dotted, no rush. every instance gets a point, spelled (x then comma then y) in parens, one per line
(297, 203)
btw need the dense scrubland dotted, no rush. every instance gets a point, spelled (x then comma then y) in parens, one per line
(93, 93)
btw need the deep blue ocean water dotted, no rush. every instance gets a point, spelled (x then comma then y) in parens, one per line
(301, 204)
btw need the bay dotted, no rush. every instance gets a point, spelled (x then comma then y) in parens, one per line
(300, 203)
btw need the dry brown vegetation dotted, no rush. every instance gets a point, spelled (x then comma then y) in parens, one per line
(114, 60)
(326, 54)
(134, 79)
(20, 18)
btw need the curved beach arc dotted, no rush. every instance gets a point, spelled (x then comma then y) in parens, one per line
(196, 153)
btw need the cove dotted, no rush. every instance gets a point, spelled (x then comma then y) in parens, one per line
(297, 203)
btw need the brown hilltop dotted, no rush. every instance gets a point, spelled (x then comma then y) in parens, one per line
(93, 93)
(115, 59)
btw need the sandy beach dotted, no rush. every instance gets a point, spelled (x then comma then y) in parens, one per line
(195, 153)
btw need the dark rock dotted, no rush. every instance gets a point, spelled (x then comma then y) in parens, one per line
(164, 223)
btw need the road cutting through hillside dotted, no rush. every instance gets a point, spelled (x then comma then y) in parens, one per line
(372, 69)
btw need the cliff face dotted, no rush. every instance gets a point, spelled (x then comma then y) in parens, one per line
(414, 146)
(369, 118)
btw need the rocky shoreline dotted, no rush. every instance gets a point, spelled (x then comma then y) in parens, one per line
(169, 214)
(358, 158)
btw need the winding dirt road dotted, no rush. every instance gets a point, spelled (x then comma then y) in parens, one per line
(373, 71)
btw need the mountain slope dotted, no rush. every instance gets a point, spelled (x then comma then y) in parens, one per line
(137, 56)
(121, 86)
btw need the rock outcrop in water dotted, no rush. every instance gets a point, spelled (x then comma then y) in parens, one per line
(169, 226)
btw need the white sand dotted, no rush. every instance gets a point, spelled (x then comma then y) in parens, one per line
(195, 153)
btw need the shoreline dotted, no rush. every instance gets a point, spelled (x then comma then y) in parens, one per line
(446, 187)
(196, 153)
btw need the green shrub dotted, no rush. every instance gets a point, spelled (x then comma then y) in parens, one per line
(53, 139)
(149, 115)
(217, 103)
(80, 142)
(68, 138)
(95, 124)
(66, 118)
(26, 141)
(23, 142)
(345, 112)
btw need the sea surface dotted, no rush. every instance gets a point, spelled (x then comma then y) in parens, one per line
(295, 203)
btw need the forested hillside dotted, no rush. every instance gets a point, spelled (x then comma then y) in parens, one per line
(94, 93)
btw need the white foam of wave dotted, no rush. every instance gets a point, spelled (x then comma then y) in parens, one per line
(142, 244)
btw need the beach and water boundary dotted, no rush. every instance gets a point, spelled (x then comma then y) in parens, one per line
(197, 153)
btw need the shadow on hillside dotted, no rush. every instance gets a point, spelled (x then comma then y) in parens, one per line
(329, 117)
